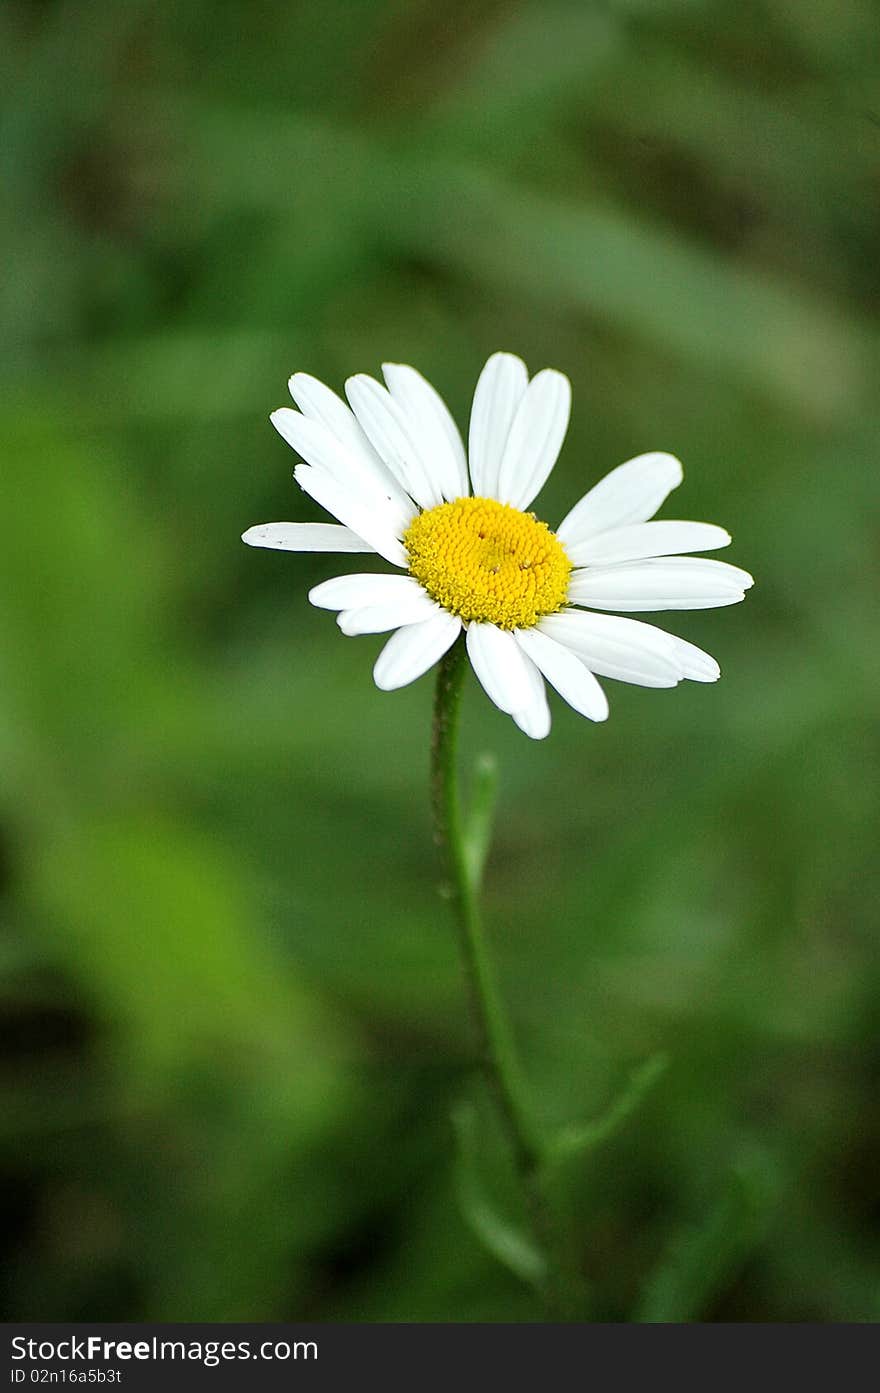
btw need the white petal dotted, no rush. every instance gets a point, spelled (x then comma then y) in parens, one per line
(320, 404)
(630, 493)
(534, 718)
(393, 437)
(502, 385)
(694, 663)
(500, 667)
(317, 401)
(535, 438)
(629, 650)
(645, 539)
(432, 424)
(304, 536)
(364, 483)
(374, 526)
(315, 442)
(675, 582)
(535, 721)
(614, 647)
(356, 591)
(388, 614)
(411, 651)
(573, 681)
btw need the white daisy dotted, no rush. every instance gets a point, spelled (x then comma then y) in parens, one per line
(391, 466)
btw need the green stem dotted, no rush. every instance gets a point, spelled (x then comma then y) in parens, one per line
(495, 1042)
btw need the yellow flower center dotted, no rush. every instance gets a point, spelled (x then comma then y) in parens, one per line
(486, 561)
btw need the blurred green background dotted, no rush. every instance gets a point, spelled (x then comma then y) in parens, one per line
(232, 1019)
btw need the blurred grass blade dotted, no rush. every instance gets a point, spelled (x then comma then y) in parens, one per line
(702, 1262)
(579, 1138)
(535, 66)
(498, 1234)
(563, 255)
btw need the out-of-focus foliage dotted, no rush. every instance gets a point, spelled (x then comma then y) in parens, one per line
(232, 1022)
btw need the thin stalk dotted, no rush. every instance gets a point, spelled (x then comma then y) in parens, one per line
(497, 1054)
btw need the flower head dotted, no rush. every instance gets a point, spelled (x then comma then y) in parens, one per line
(391, 466)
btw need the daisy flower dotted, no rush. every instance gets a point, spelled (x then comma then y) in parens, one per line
(471, 556)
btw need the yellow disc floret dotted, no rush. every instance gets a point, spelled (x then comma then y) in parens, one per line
(486, 561)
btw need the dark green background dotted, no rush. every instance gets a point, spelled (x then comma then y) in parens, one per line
(232, 1021)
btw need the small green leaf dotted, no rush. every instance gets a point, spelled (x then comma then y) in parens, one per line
(580, 1137)
(478, 816)
(498, 1234)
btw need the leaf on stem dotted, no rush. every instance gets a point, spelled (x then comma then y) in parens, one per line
(581, 1137)
(498, 1234)
(478, 816)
